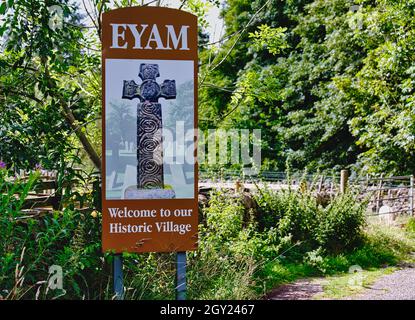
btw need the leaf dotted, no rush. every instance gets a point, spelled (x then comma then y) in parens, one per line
(3, 8)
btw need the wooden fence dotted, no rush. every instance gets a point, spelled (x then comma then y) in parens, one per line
(47, 193)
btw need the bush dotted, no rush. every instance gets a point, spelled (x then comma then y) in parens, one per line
(333, 228)
(69, 239)
(29, 245)
(410, 225)
(339, 225)
(225, 260)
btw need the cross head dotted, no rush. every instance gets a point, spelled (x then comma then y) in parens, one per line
(149, 90)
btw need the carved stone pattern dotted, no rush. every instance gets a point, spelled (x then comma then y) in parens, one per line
(149, 71)
(130, 90)
(150, 146)
(149, 124)
(168, 89)
(150, 91)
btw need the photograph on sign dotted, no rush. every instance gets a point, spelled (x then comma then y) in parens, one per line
(149, 129)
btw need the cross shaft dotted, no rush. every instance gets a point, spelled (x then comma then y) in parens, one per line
(149, 124)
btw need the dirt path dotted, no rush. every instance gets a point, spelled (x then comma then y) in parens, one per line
(300, 290)
(399, 285)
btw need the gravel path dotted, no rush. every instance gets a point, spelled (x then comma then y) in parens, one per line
(399, 285)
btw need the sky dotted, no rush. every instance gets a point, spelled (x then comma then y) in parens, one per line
(215, 29)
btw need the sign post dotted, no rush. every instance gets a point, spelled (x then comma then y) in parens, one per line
(149, 168)
(118, 277)
(181, 276)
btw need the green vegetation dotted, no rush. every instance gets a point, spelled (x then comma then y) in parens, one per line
(381, 248)
(345, 285)
(329, 82)
(410, 226)
(330, 86)
(242, 253)
(385, 246)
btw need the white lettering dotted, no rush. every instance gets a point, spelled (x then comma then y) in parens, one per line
(174, 41)
(128, 228)
(155, 37)
(170, 226)
(171, 35)
(113, 212)
(116, 35)
(125, 213)
(137, 35)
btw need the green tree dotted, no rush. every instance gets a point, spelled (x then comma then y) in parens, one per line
(50, 79)
(240, 80)
(382, 89)
(336, 93)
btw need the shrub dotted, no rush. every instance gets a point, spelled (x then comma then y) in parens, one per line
(224, 263)
(410, 225)
(29, 245)
(339, 225)
(224, 217)
(335, 227)
(236, 259)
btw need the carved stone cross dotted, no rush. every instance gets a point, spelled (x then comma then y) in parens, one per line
(149, 124)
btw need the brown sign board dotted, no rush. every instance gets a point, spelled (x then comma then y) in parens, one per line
(149, 121)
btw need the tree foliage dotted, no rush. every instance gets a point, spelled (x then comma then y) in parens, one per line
(338, 92)
(329, 82)
(50, 79)
(50, 84)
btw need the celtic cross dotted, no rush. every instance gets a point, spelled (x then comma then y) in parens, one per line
(149, 124)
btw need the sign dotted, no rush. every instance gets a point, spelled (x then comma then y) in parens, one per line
(149, 101)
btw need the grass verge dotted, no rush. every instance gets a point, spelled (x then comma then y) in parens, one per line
(348, 273)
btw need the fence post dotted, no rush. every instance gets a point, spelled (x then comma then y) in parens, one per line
(344, 177)
(411, 195)
(379, 193)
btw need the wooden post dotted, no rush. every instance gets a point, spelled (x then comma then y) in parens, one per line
(344, 177)
(379, 194)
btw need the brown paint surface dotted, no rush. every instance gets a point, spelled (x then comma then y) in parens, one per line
(154, 241)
